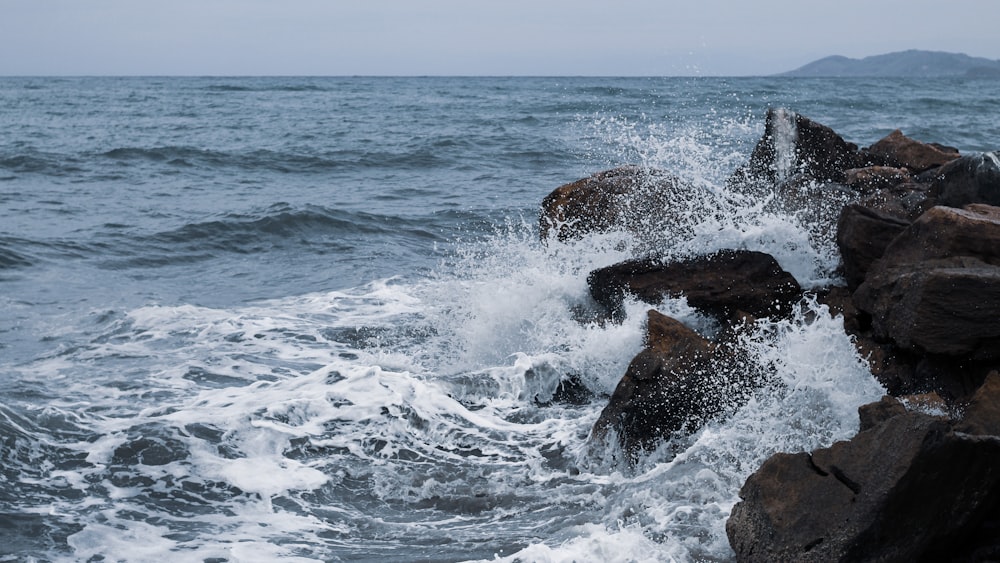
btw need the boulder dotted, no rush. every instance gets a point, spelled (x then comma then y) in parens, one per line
(720, 284)
(949, 306)
(794, 144)
(908, 487)
(873, 178)
(936, 288)
(982, 414)
(678, 382)
(944, 232)
(862, 236)
(970, 179)
(630, 198)
(902, 151)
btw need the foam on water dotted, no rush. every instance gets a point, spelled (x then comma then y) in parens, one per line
(420, 417)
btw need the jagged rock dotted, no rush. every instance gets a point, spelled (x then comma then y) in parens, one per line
(982, 415)
(629, 197)
(862, 236)
(902, 151)
(970, 179)
(908, 487)
(679, 381)
(794, 144)
(936, 288)
(719, 284)
(944, 232)
(873, 178)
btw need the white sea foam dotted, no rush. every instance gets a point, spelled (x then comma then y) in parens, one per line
(406, 416)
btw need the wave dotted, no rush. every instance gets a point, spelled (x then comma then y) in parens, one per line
(313, 229)
(418, 158)
(10, 259)
(267, 88)
(41, 163)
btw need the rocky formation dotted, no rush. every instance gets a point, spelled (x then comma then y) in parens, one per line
(720, 284)
(920, 257)
(910, 486)
(679, 381)
(900, 151)
(918, 229)
(936, 288)
(863, 234)
(636, 199)
(970, 179)
(794, 144)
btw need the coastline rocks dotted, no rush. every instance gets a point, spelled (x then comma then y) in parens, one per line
(898, 150)
(862, 236)
(721, 284)
(936, 288)
(656, 396)
(628, 197)
(678, 382)
(873, 178)
(910, 486)
(970, 179)
(794, 144)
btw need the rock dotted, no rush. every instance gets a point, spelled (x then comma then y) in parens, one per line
(949, 306)
(936, 289)
(982, 415)
(629, 198)
(862, 236)
(873, 414)
(970, 179)
(719, 284)
(902, 151)
(679, 381)
(873, 178)
(795, 144)
(945, 232)
(908, 487)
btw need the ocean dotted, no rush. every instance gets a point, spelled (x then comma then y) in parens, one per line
(311, 319)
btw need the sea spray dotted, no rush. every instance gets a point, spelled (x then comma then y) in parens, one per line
(294, 334)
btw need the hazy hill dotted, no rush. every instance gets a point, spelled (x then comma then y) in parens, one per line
(912, 63)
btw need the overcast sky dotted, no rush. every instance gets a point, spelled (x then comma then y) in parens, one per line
(467, 37)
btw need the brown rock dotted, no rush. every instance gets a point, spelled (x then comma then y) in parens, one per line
(901, 150)
(970, 179)
(794, 144)
(943, 232)
(936, 288)
(679, 381)
(629, 198)
(872, 178)
(906, 488)
(862, 236)
(720, 284)
(982, 416)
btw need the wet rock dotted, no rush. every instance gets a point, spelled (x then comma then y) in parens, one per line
(679, 381)
(629, 197)
(719, 284)
(872, 178)
(902, 151)
(936, 289)
(982, 415)
(794, 144)
(862, 236)
(970, 179)
(908, 487)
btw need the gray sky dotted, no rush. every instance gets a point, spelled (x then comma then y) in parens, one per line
(456, 37)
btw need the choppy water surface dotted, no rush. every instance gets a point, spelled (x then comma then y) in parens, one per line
(249, 319)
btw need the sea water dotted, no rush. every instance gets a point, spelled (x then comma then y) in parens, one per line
(311, 319)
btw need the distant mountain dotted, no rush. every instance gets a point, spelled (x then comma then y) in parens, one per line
(912, 63)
